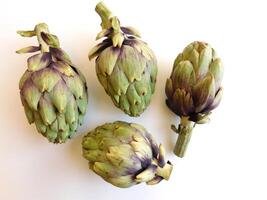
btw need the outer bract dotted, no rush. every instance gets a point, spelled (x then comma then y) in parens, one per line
(125, 154)
(126, 67)
(53, 92)
(194, 89)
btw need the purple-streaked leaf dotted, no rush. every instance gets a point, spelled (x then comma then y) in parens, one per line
(51, 40)
(27, 109)
(154, 145)
(29, 49)
(60, 96)
(203, 91)
(216, 100)
(169, 88)
(46, 79)
(24, 78)
(161, 158)
(26, 33)
(31, 94)
(63, 68)
(60, 55)
(39, 61)
(95, 51)
(184, 76)
(182, 102)
(130, 31)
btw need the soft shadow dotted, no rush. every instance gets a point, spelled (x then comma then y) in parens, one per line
(168, 117)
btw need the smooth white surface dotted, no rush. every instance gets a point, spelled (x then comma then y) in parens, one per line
(226, 158)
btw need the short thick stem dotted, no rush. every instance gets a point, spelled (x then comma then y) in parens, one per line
(185, 132)
(110, 21)
(105, 14)
(39, 28)
(165, 171)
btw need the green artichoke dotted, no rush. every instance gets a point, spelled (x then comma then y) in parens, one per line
(53, 92)
(193, 89)
(125, 154)
(125, 66)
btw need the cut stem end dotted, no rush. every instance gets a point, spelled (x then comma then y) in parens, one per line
(104, 13)
(165, 171)
(185, 132)
(181, 144)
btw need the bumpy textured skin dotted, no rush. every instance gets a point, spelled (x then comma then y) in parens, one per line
(53, 92)
(125, 154)
(194, 87)
(126, 67)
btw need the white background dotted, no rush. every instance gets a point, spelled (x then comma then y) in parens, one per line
(226, 158)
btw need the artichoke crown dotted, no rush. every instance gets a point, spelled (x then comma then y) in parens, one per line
(53, 92)
(125, 154)
(194, 87)
(125, 66)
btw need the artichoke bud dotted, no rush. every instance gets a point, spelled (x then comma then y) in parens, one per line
(125, 154)
(53, 92)
(194, 88)
(125, 66)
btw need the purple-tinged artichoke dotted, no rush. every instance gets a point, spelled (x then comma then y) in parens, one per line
(193, 89)
(125, 66)
(125, 154)
(53, 92)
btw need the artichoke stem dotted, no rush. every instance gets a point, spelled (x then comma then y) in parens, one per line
(42, 27)
(165, 171)
(185, 131)
(105, 15)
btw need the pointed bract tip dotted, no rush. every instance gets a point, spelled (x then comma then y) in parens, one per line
(26, 33)
(91, 55)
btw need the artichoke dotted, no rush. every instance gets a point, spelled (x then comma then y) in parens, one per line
(53, 92)
(193, 89)
(125, 154)
(125, 66)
